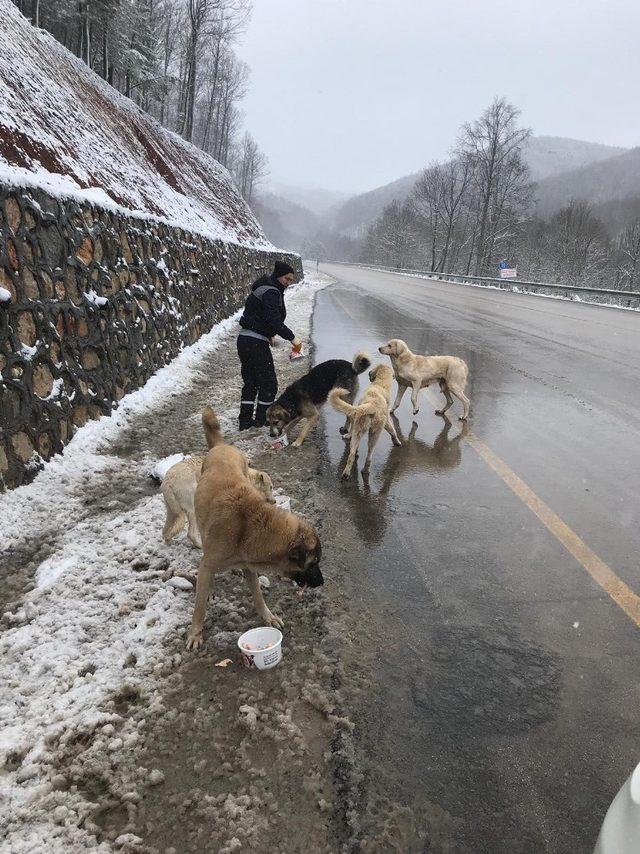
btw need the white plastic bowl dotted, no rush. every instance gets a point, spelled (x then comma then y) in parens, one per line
(261, 659)
(283, 502)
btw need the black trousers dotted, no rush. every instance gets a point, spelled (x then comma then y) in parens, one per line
(258, 377)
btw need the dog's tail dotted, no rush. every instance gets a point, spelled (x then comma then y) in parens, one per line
(212, 432)
(361, 362)
(336, 396)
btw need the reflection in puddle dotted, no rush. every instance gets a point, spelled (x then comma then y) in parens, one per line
(369, 505)
(417, 455)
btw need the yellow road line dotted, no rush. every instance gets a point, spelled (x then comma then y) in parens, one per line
(602, 574)
(613, 586)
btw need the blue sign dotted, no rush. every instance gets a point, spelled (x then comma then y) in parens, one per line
(504, 265)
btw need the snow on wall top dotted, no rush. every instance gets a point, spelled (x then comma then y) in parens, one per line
(65, 130)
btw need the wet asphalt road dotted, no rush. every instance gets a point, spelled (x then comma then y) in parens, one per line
(504, 696)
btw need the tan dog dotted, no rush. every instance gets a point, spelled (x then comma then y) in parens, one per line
(420, 371)
(239, 528)
(370, 415)
(178, 490)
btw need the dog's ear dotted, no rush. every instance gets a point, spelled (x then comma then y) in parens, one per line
(264, 478)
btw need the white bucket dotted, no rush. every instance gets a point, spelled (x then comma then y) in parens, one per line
(261, 659)
(283, 502)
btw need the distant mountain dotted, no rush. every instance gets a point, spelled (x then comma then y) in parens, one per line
(314, 199)
(358, 212)
(619, 213)
(546, 155)
(614, 179)
(608, 177)
(550, 155)
(287, 225)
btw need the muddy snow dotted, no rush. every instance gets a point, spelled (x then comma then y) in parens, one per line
(112, 736)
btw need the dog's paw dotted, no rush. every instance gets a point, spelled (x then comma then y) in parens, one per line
(345, 475)
(415, 411)
(439, 411)
(296, 444)
(194, 640)
(397, 443)
(462, 418)
(346, 436)
(270, 619)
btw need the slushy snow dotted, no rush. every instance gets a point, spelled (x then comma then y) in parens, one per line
(101, 610)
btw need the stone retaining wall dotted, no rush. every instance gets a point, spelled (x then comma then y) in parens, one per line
(98, 302)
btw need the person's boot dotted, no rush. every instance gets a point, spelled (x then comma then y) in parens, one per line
(245, 421)
(261, 414)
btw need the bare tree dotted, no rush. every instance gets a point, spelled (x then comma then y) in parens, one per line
(577, 245)
(198, 16)
(629, 256)
(438, 201)
(393, 239)
(229, 21)
(251, 167)
(490, 148)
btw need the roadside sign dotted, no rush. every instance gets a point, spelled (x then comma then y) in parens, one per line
(508, 272)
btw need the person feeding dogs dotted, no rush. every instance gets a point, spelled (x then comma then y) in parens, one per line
(262, 320)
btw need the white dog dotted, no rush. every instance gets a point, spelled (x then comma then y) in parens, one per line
(178, 490)
(420, 371)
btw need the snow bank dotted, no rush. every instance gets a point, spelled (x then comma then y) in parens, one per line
(65, 130)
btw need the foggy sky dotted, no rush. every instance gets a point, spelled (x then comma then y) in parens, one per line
(351, 94)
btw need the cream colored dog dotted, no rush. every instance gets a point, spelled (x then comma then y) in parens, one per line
(370, 415)
(178, 490)
(420, 371)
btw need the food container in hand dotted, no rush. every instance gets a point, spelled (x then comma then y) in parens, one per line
(261, 648)
(295, 354)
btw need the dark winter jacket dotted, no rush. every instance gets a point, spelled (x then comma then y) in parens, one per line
(264, 311)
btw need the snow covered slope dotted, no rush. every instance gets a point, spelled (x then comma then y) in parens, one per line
(65, 130)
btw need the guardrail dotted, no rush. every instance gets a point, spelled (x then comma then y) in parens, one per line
(626, 299)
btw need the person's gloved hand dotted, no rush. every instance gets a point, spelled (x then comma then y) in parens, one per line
(296, 345)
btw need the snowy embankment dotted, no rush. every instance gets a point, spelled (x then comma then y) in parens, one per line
(93, 628)
(66, 131)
